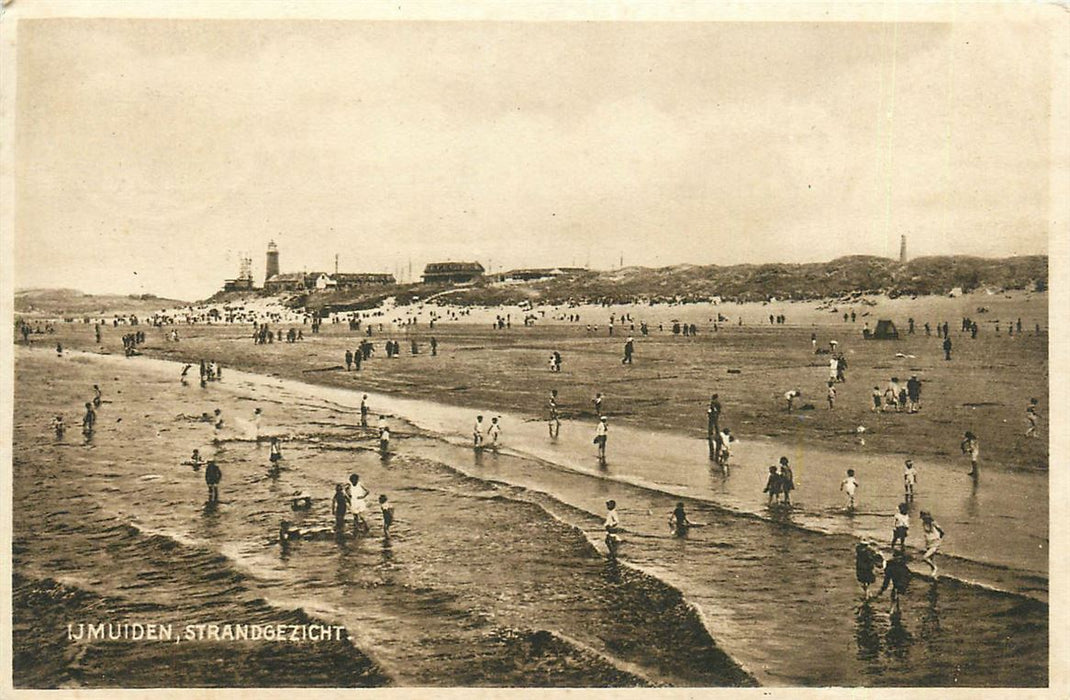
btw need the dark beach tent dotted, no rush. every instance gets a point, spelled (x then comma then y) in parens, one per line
(885, 331)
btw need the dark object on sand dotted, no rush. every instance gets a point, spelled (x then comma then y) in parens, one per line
(885, 331)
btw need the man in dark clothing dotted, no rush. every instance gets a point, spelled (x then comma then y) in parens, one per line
(349, 360)
(339, 507)
(212, 476)
(629, 348)
(947, 348)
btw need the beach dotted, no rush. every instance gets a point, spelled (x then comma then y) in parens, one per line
(496, 574)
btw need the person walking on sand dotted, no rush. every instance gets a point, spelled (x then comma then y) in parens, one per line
(849, 486)
(612, 527)
(900, 526)
(831, 395)
(910, 479)
(971, 445)
(934, 537)
(364, 411)
(629, 348)
(598, 404)
(477, 433)
(58, 426)
(349, 360)
(89, 421)
(212, 476)
(601, 433)
(947, 349)
(555, 420)
(876, 408)
(913, 394)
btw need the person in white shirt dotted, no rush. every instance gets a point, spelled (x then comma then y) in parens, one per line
(494, 432)
(849, 486)
(901, 525)
(477, 433)
(612, 526)
(790, 398)
(601, 433)
(355, 495)
(910, 478)
(934, 537)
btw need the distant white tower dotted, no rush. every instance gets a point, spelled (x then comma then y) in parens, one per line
(902, 250)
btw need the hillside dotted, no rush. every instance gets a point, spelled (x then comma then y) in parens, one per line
(73, 303)
(837, 278)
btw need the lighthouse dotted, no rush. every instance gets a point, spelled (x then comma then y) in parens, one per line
(902, 250)
(272, 261)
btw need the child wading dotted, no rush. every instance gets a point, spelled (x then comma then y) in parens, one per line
(849, 486)
(612, 526)
(910, 478)
(900, 526)
(971, 446)
(787, 480)
(387, 510)
(867, 558)
(600, 439)
(934, 537)
(212, 476)
(773, 485)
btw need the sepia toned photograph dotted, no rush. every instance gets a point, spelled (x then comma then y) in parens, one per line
(584, 346)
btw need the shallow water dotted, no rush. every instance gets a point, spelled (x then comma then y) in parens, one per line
(486, 545)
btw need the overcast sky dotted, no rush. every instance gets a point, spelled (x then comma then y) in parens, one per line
(151, 153)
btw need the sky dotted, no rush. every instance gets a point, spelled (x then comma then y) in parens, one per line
(150, 155)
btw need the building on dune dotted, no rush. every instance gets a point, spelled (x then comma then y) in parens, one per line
(452, 272)
(285, 282)
(538, 273)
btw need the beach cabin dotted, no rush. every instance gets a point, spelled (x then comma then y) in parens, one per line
(885, 331)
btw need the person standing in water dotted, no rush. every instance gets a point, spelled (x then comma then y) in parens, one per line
(787, 480)
(971, 446)
(355, 495)
(58, 426)
(900, 526)
(364, 411)
(494, 433)
(387, 510)
(612, 527)
(910, 479)
(338, 510)
(384, 436)
(601, 434)
(477, 433)
(275, 452)
(867, 558)
(555, 419)
(934, 537)
(97, 397)
(898, 575)
(212, 476)
(849, 486)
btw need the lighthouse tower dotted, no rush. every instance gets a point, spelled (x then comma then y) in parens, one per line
(272, 261)
(902, 250)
